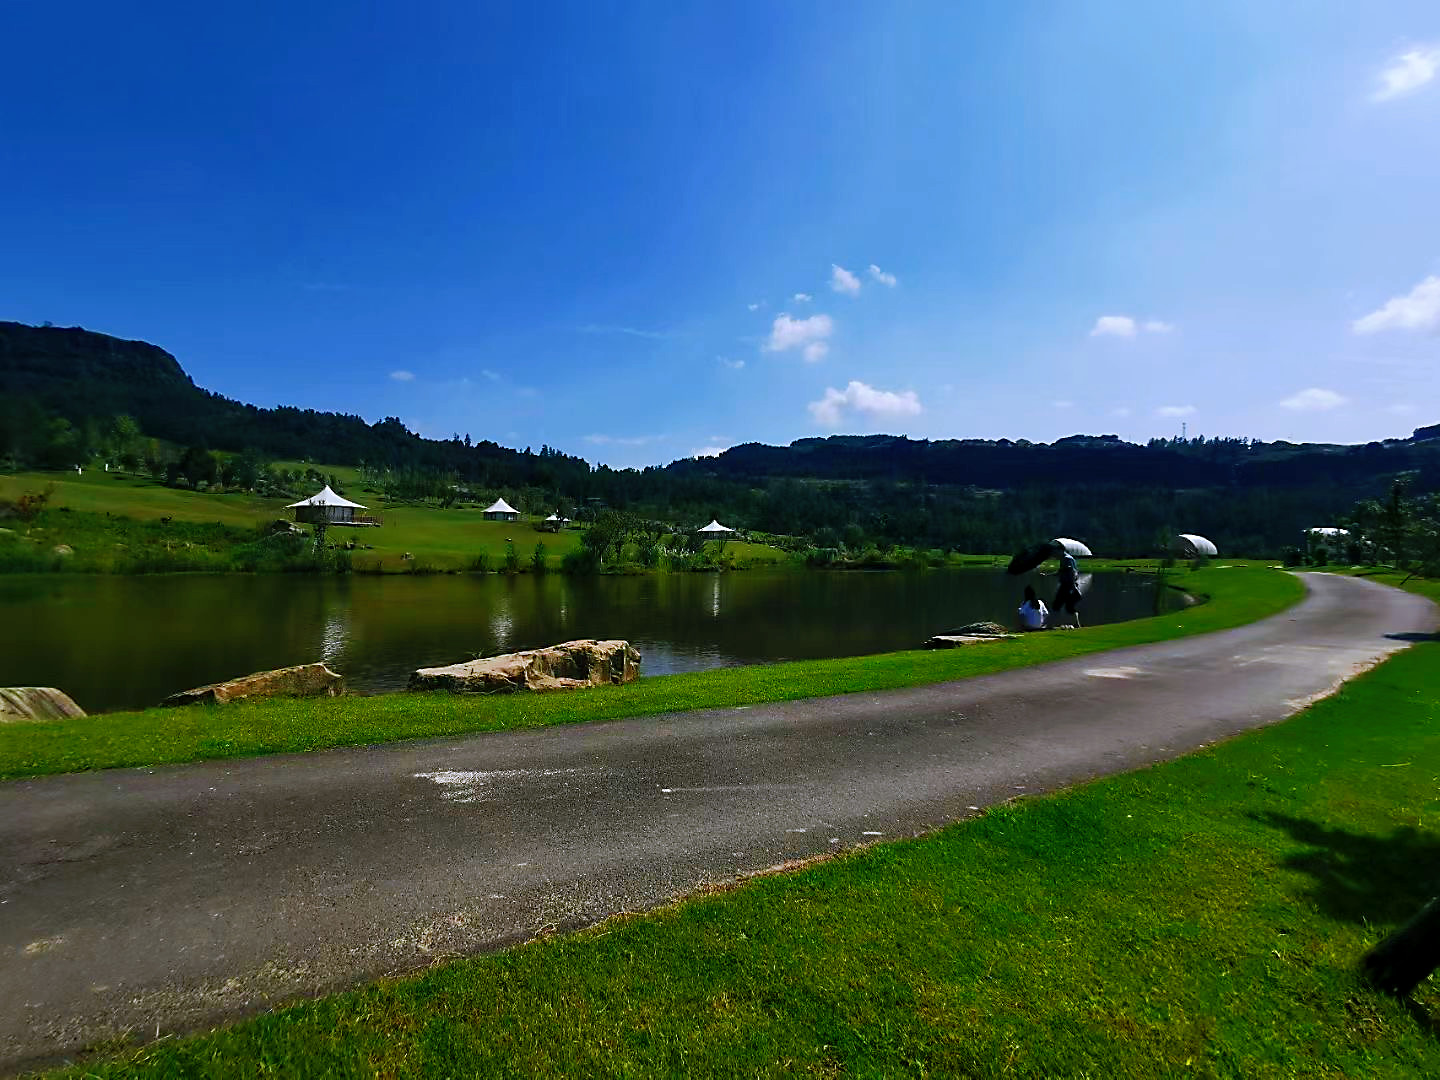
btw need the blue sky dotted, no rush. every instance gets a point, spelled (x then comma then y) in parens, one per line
(638, 231)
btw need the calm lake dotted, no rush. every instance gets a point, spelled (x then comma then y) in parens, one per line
(127, 642)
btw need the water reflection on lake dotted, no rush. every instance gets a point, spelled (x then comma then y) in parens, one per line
(126, 642)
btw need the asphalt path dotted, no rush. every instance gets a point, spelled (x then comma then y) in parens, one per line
(159, 900)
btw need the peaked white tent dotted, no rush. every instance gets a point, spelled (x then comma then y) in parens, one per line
(500, 510)
(327, 508)
(715, 529)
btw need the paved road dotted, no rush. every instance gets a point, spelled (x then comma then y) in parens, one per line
(163, 899)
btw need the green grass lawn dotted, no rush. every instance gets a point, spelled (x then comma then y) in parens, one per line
(1238, 595)
(436, 539)
(1199, 918)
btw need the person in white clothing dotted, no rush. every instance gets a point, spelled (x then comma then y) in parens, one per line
(1033, 611)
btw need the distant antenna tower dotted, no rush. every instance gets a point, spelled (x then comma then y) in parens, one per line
(1184, 428)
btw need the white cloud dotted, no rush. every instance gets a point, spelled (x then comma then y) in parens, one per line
(1062, 404)
(623, 440)
(1175, 410)
(788, 333)
(802, 298)
(815, 351)
(1314, 399)
(861, 398)
(627, 331)
(843, 281)
(876, 274)
(733, 365)
(1113, 326)
(709, 451)
(493, 376)
(1120, 410)
(1126, 326)
(403, 376)
(753, 307)
(1417, 310)
(1407, 73)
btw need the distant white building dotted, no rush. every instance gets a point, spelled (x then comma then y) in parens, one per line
(715, 530)
(500, 510)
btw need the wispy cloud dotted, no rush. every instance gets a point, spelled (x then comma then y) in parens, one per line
(755, 306)
(1175, 410)
(1401, 408)
(627, 331)
(733, 365)
(708, 451)
(1125, 326)
(1315, 399)
(403, 376)
(1407, 73)
(1120, 410)
(1062, 404)
(1419, 309)
(493, 376)
(624, 440)
(843, 281)
(862, 398)
(876, 274)
(816, 351)
(790, 333)
(802, 298)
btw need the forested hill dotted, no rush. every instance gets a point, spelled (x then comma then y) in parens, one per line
(61, 390)
(85, 377)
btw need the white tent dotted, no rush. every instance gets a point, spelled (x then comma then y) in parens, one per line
(326, 497)
(1194, 546)
(1328, 531)
(1072, 547)
(500, 510)
(714, 528)
(553, 517)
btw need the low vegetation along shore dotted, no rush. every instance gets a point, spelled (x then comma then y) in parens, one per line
(1234, 594)
(1202, 917)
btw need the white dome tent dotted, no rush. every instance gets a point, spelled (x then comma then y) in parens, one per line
(1193, 546)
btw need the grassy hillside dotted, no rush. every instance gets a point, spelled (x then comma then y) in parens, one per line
(436, 539)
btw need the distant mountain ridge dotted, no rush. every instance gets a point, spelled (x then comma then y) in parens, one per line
(84, 375)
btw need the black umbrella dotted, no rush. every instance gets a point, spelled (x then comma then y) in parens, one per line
(1032, 557)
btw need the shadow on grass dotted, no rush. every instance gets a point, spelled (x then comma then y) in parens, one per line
(1362, 878)
(1412, 635)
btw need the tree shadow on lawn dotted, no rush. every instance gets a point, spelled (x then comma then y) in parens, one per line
(1361, 878)
(1365, 879)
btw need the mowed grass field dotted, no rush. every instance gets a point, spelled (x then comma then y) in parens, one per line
(436, 539)
(1203, 917)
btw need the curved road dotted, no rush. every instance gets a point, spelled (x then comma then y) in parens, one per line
(162, 899)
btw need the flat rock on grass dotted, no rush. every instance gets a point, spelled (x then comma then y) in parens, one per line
(19, 703)
(303, 680)
(572, 665)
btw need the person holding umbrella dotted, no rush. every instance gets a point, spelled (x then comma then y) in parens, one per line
(1068, 595)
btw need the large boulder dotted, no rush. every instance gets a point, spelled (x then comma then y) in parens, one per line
(570, 666)
(36, 703)
(303, 680)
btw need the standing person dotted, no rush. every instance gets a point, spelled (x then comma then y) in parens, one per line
(1033, 611)
(1067, 597)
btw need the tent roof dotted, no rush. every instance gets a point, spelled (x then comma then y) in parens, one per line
(325, 497)
(1329, 530)
(715, 527)
(554, 517)
(1199, 544)
(500, 506)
